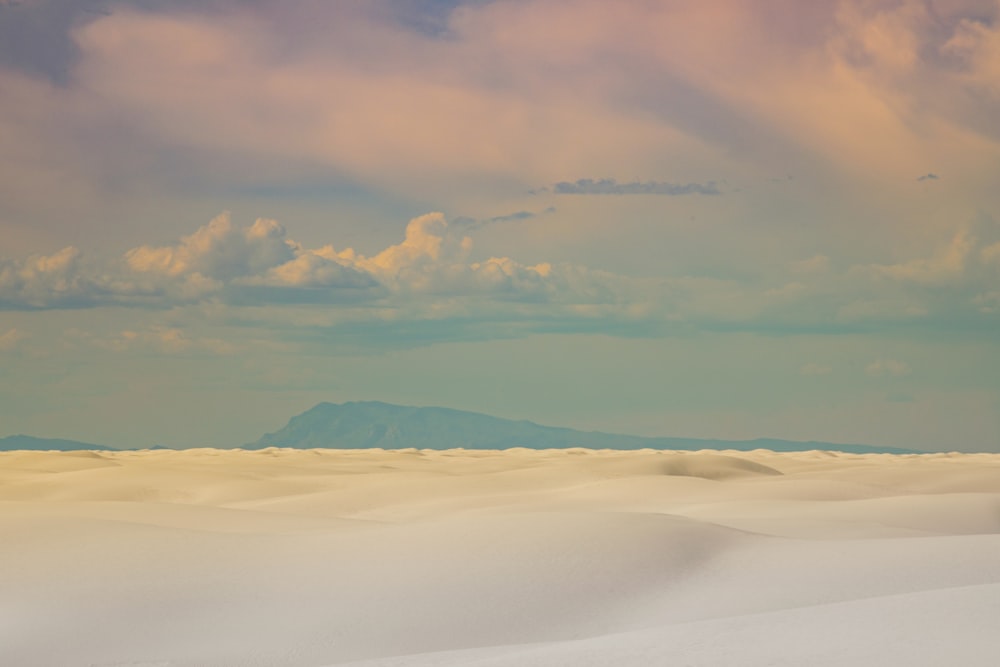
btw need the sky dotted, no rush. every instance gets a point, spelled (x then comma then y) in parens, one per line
(694, 218)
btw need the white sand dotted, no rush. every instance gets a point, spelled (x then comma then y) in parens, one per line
(318, 558)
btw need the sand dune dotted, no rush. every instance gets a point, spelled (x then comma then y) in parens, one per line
(574, 557)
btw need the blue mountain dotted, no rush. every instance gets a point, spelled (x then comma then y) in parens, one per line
(368, 424)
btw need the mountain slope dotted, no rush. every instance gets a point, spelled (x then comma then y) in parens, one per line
(361, 425)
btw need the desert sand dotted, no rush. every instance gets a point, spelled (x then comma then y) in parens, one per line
(315, 558)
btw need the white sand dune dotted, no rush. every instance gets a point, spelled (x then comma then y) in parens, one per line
(417, 558)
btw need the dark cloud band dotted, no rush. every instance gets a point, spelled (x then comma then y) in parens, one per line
(609, 186)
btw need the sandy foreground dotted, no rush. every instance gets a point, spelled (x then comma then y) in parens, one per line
(443, 558)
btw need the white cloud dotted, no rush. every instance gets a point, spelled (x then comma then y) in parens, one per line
(434, 274)
(218, 251)
(222, 254)
(64, 280)
(42, 281)
(258, 265)
(434, 259)
(311, 269)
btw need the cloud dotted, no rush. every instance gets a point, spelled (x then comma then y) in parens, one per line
(258, 277)
(218, 251)
(434, 259)
(609, 186)
(255, 263)
(430, 272)
(252, 264)
(519, 215)
(49, 281)
(887, 368)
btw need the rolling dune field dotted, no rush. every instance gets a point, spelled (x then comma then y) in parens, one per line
(407, 558)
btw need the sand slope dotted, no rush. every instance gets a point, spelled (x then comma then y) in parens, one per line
(417, 558)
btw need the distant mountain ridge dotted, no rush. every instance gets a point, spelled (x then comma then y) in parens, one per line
(369, 424)
(15, 442)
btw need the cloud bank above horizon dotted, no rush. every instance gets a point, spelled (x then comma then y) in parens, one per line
(432, 269)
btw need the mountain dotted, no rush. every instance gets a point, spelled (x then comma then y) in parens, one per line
(13, 442)
(366, 424)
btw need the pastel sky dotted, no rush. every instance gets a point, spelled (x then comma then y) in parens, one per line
(706, 218)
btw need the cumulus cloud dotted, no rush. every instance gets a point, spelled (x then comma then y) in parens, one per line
(258, 265)
(219, 251)
(319, 268)
(434, 259)
(49, 281)
(434, 274)
(255, 263)
(609, 186)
